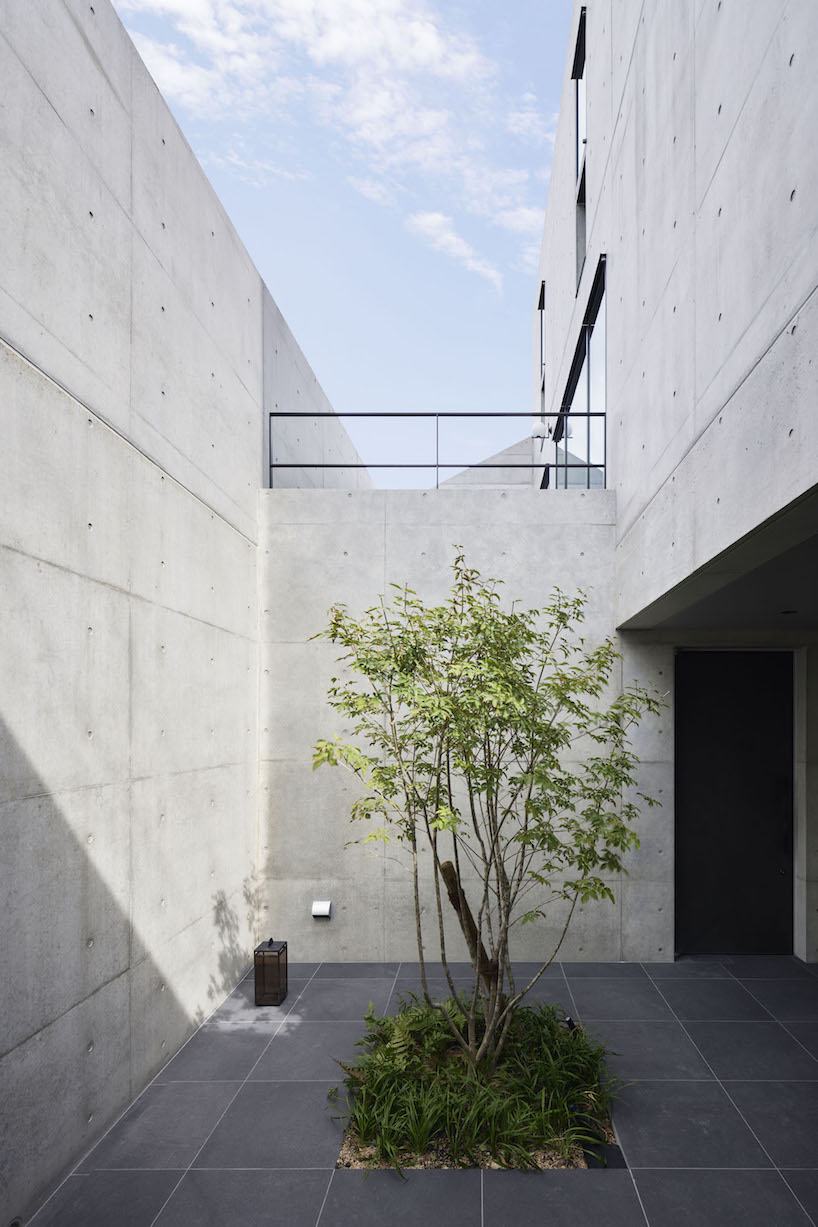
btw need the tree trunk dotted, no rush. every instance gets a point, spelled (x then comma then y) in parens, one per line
(487, 967)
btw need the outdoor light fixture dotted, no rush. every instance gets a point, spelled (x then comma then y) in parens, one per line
(321, 909)
(271, 972)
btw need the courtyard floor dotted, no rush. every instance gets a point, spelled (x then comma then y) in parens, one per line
(718, 1123)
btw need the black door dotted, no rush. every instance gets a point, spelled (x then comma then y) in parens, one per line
(734, 769)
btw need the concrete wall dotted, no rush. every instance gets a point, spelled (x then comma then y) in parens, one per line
(290, 385)
(701, 193)
(323, 547)
(701, 190)
(139, 354)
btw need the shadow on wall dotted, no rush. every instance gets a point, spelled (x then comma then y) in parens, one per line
(233, 955)
(87, 1017)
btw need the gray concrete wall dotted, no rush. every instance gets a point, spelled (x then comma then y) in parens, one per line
(322, 547)
(701, 190)
(139, 354)
(290, 385)
(701, 193)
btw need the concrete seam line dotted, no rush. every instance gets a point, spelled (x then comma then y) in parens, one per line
(129, 442)
(730, 396)
(127, 593)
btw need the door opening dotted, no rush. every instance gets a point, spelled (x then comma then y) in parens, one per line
(734, 802)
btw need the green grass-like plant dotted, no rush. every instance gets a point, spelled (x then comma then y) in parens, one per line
(413, 1089)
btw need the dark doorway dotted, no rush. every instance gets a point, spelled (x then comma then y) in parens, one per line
(734, 770)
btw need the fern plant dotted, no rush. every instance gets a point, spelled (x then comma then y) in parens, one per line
(411, 1091)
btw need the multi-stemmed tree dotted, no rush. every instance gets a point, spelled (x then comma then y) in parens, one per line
(466, 722)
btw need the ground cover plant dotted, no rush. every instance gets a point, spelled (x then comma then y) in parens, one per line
(414, 1099)
(494, 737)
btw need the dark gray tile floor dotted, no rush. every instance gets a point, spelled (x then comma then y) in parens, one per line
(718, 1118)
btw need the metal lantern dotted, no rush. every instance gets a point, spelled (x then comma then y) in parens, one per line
(270, 960)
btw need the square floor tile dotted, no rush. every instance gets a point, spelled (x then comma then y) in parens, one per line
(342, 999)
(683, 1124)
(804, 1185)
(438, 989)
(217, 1053)
(806, 1032)
(731, 1199)
(784, 1117)
(765, 966)
(752, 1049)
(164, 1128)
(716, 999)
(129, 1199)
(434, 969)
(240, 1011)
(438, 985)
(359, 971)
(309, 1051)
(523, 972)
(550, 991)
(648, 1050)
(383, 1199)
(604, 971)
(687, 969)
(276, 1124)
(786, 999)
(556, 993)
(246, 1199)
(560, 1199)
(295, 971)
(614, 999)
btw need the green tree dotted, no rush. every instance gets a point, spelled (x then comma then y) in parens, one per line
(466, 721)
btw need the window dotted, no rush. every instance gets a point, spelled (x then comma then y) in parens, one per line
(581, 130)
(580, 96)
(541, 309)
(581, 243)
(579, 435)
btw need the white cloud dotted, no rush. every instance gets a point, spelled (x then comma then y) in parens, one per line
(525, 219)
(373, 189)
(257, 172)
(437, 230)
(411, 102)
(529, 259)
(179, 79)
(527, 122)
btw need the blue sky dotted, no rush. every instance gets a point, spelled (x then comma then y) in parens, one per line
(386, 164)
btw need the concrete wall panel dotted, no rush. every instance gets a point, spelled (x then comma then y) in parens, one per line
(190, 687)
(76, 240)
(83, 836)
(60, 1088)
(128, 582)
(705, 208)
(531, 540)
(67, 641)
(291, 387)
(78, 525)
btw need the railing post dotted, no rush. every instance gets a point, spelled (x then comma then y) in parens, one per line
(437, 451)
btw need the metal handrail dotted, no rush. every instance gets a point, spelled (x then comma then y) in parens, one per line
(554, 436)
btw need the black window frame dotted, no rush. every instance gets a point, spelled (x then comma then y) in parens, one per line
(581, 353)
(577, 75)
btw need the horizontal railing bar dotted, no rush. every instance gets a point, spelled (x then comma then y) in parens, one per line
(431, 465)
(328, 413)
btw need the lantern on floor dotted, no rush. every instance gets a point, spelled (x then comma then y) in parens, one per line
(271, 972)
